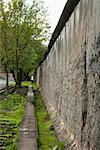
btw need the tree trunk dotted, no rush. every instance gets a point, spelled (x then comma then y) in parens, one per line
(19, 78)
(13, 74)
(7, 77)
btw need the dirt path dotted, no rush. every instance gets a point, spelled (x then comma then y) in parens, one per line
(28, 131)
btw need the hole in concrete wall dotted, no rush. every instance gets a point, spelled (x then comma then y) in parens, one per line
(93, 74)
(98, 41)
(99, 53)
(84, 116)
(88, 145)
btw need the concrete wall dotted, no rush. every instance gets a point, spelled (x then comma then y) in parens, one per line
(69, 79)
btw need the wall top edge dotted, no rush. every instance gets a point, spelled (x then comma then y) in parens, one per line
(67, 11)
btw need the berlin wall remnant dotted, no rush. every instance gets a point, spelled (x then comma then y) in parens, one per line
(69, 77)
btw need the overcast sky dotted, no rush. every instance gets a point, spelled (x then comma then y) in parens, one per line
(55, 8)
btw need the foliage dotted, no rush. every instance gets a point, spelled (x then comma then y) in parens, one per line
(35, 86)
(23, 30)
(47, 138)
(11, 114)
(27, 83)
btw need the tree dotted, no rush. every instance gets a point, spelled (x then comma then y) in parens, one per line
(4, 40)
(26, 29)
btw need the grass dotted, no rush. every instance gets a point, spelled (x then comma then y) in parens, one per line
(47, 138)
(27, 83)
(11, 114)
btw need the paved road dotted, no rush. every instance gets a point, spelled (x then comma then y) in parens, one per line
(2, 83)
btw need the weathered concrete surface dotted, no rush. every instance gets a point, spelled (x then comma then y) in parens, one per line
(28, 129)
(70, 79)
(30, 94)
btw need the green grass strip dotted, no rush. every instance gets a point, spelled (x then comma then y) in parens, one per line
(47, 138)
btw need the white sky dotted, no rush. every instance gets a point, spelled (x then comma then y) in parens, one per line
(55, 8)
